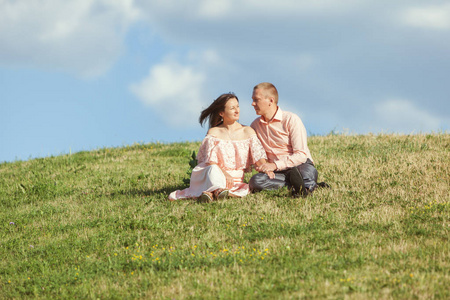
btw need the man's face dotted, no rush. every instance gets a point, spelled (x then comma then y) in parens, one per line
(261, 102)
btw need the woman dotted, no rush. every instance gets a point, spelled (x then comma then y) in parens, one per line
(228, 149)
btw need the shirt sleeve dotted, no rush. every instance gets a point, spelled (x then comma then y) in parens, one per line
(298, 139)
(208, 151)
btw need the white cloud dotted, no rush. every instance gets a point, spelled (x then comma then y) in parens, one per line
(213, 9)
(283, 7)
(231, 10)
(79, 36)
(400, 115)
(173, 90)
(428, 17)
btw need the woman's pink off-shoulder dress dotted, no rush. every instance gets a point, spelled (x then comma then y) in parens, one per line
(233, 156)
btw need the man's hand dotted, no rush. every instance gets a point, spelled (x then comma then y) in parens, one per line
(267, 167)
(271, 174)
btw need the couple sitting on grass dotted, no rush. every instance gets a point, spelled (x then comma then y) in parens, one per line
(275, 144)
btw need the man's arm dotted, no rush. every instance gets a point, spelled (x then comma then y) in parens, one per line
(298, 142)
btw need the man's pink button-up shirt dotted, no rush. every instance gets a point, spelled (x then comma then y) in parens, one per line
(284, 139)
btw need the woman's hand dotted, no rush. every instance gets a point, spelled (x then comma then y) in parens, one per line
(229, 179)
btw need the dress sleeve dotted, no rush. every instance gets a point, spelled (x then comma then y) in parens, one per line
(256, 149)
(208, 151)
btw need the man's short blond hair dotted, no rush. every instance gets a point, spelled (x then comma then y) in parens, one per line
(269, 89)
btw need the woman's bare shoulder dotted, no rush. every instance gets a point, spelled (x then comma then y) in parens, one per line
(216, 132)
(249, 131)
(212, 131)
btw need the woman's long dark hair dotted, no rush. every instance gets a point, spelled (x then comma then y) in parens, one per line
(213, 111)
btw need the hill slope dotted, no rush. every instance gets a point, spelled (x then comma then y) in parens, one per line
(97, 224)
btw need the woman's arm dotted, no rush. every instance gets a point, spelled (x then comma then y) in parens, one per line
(229, 178)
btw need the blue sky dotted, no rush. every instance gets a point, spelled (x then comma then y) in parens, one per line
(86, 74)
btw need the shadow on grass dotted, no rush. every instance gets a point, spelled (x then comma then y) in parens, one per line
(153, 194)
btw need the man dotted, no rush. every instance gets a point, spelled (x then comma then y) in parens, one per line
(284, 138)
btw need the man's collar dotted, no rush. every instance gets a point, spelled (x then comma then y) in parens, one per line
(277, 117)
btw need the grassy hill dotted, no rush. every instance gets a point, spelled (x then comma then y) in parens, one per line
(98, 225)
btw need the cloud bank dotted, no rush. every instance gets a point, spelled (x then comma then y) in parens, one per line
(83, 37)
(345, 64)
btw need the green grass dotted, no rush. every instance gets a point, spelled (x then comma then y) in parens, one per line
(98, 225)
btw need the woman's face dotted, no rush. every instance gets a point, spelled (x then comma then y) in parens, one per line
(231, 112)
